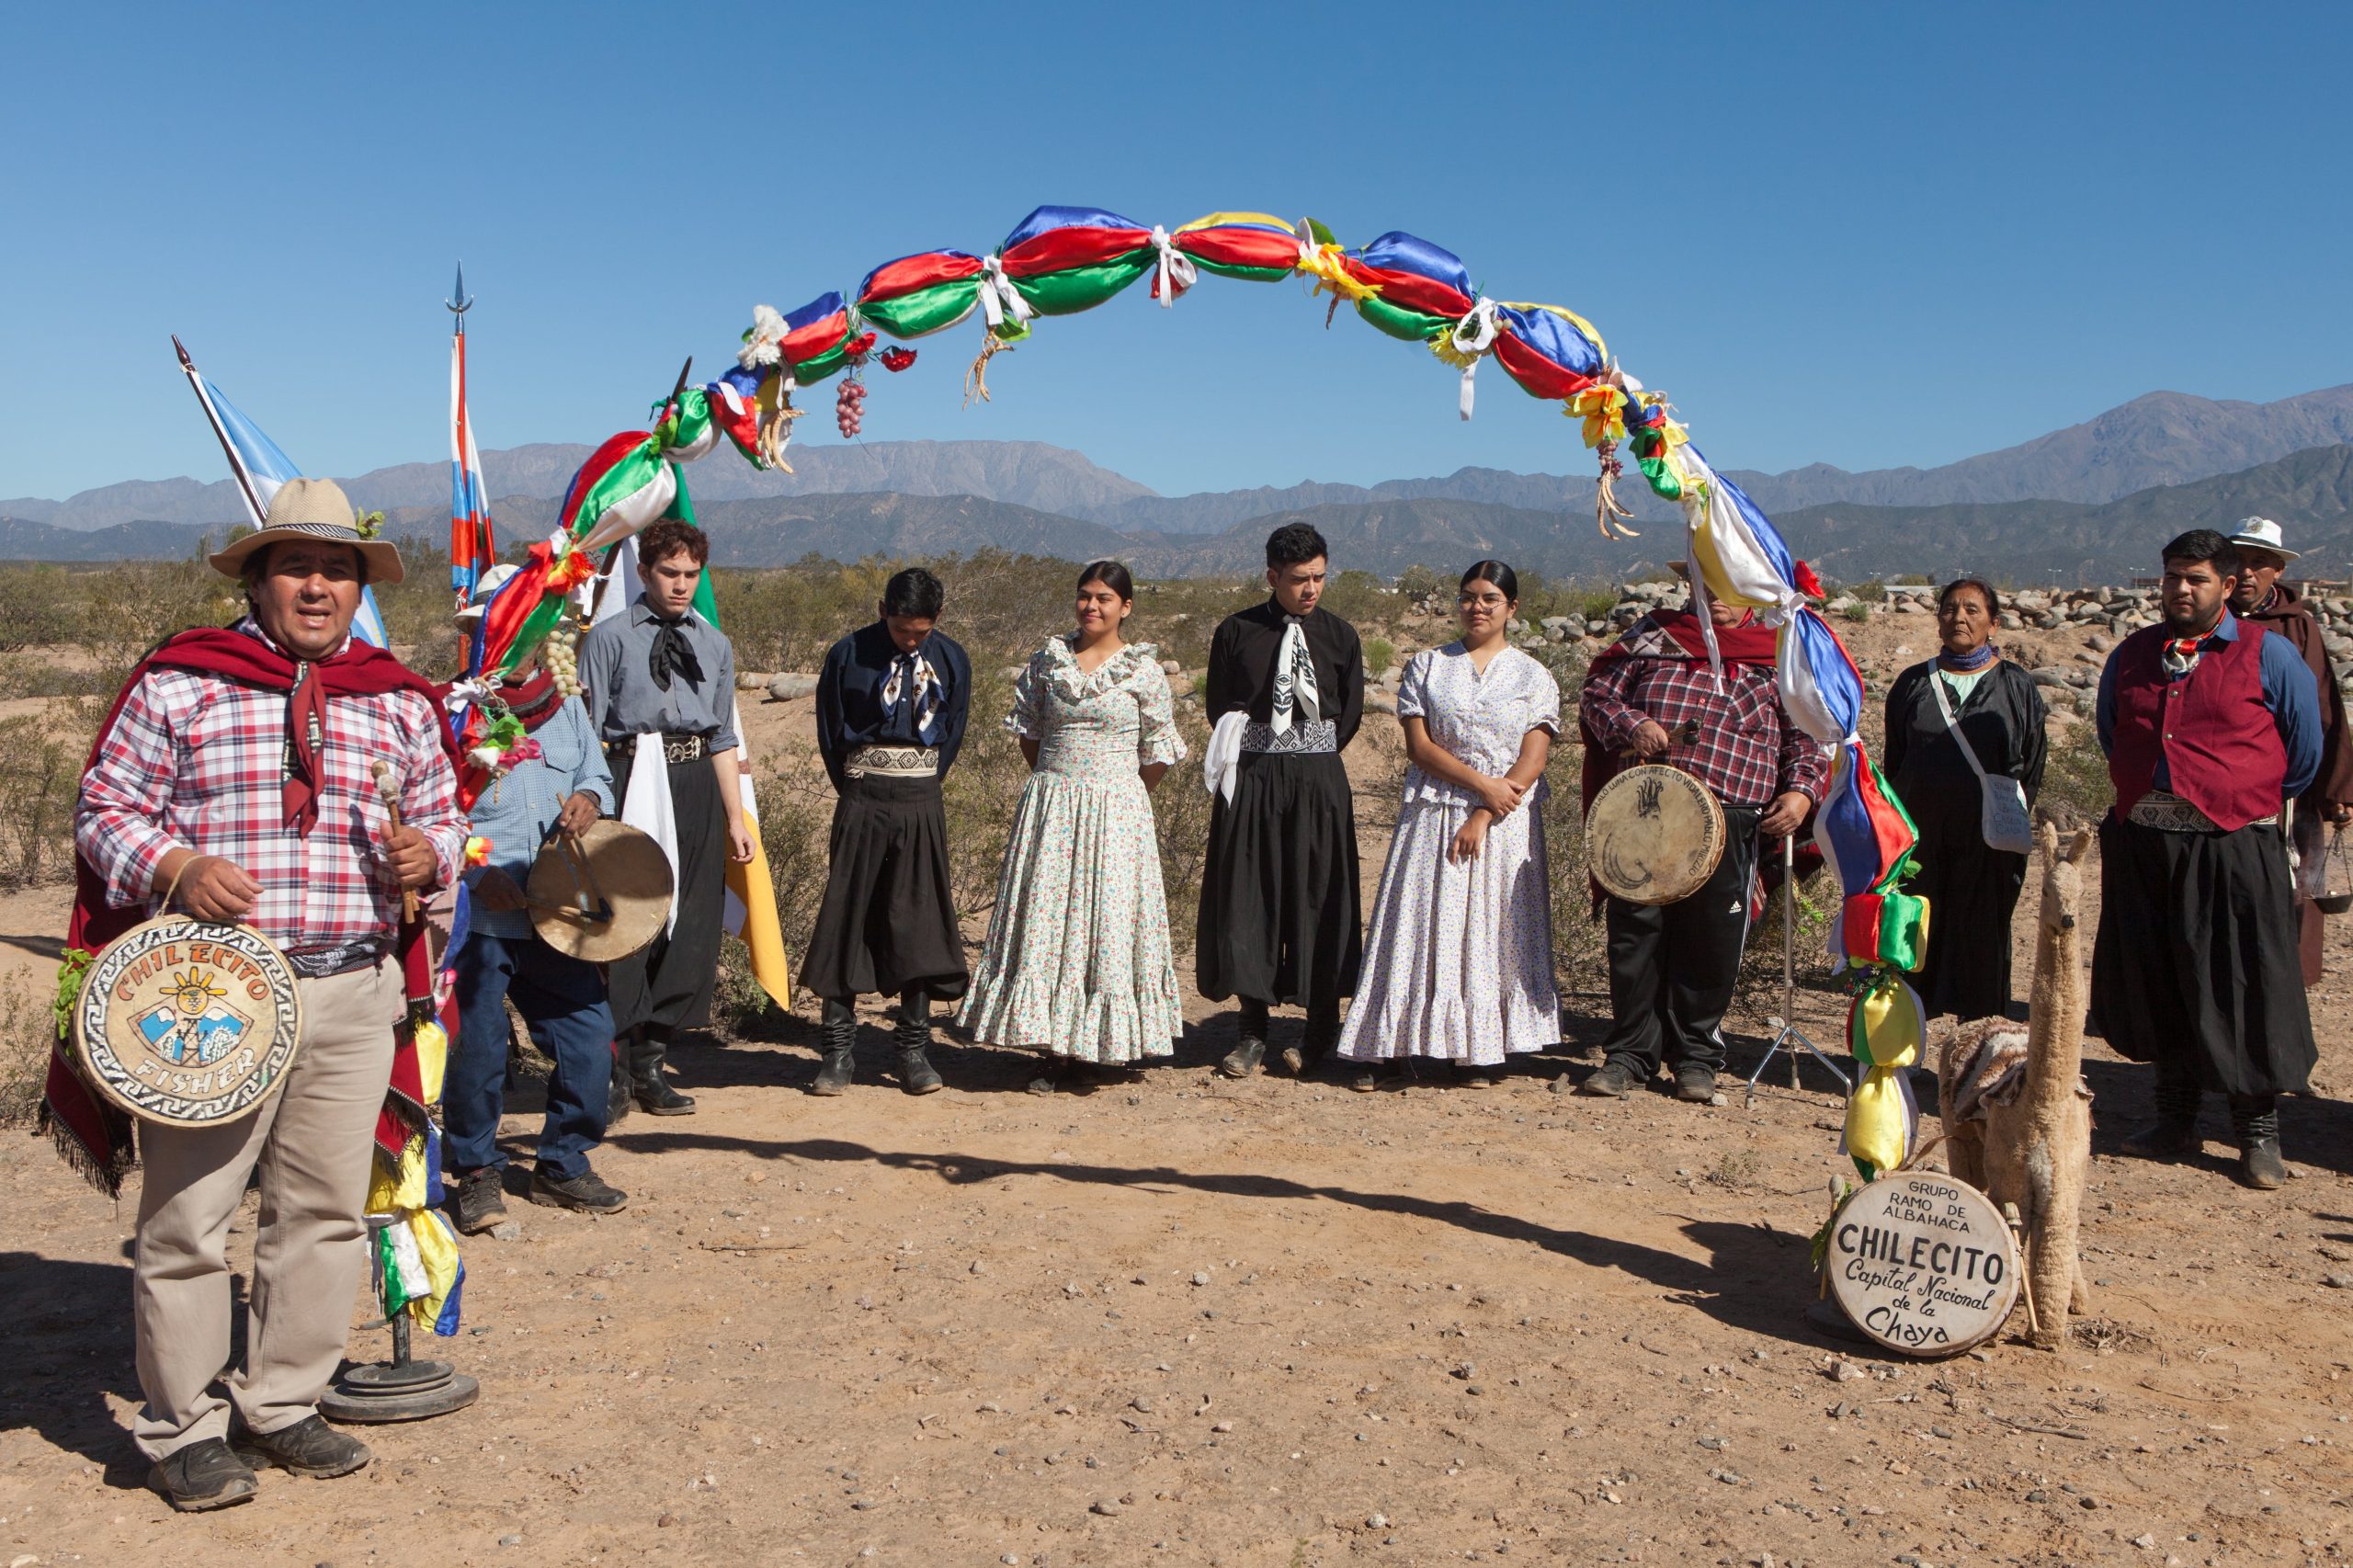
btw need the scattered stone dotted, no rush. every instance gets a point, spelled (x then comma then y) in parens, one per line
(510, 1540)
(2338, 1281)
(1376, 1521)
(2144, 1540)
(791, 688)
(507, 1231)
(1222, 1426)
(979, 1267)
(1107, 1507)
(1844, 1372)
(1200, 1278)
(1142, 1403)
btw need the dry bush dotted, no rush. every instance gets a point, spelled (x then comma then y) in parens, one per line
(36, 607)
(40, 776)
(129, 607)
(26, 1027)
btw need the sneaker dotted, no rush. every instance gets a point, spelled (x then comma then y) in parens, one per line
(586, 1192)
(481, 1202)
(203, 1475)
(1611, 1080)
(1244, 1058)
(310, 1448)
(1695, 1084)
(2260, 1167)
(1366, 1079)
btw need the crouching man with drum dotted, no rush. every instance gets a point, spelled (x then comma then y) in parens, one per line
(234, 783)
(1653, 698)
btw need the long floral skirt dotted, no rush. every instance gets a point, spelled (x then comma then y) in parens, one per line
(1078, 960)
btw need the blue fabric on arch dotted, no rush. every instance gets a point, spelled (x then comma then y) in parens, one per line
(1046, 219)
(1397, 251)
(1555, 337)
(1834, 677)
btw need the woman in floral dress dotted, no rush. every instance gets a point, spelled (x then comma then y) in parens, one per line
(1078, 962)
(1458, 966)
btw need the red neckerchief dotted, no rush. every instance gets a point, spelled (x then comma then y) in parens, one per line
(96, 1139)
(534, 702)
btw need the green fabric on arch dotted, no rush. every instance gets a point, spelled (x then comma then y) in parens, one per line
(924, 311)
(1077, 288)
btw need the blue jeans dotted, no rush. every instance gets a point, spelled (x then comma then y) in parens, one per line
(563, 1000)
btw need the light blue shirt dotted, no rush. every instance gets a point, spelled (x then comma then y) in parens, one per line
(518, 813)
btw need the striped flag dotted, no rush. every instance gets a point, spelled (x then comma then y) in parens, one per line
(259, 468)
(472, 549)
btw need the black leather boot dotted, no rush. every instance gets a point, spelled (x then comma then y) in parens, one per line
(647, 1085)
(2255, 1122)
(916, 1074)
(2174, 1134)
(836, 1066)
(617, 1093)
(1251, 1050)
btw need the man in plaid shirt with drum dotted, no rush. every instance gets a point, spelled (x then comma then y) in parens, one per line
(236, 782)
(1655, 697)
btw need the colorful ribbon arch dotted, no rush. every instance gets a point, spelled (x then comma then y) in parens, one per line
(1060, 260)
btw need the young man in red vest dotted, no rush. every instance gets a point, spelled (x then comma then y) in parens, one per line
(2209, 723)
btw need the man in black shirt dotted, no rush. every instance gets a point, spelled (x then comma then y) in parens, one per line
(891, 701)
(1279, 921)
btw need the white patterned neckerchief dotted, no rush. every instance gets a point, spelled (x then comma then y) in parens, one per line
(916, 669)
(1294, 680)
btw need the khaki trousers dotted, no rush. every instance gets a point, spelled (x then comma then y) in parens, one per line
(313, 1140)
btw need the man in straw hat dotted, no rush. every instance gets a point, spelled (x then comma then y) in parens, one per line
(1653, 697)
(2264, 599)
(566, 786)
(233, 781)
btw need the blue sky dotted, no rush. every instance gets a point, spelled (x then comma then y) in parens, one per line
(1864, 234)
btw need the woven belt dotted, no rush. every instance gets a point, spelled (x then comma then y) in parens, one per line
(892, 762)
(2171, 813)
(1303, 737)
(675, 748)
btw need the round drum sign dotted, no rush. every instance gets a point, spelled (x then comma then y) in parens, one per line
(1923, 1264)
(187, 1023)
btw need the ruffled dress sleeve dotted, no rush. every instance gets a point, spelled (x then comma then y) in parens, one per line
(1028, 719)
(1158, 741)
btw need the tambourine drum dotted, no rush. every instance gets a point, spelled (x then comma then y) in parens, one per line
(601, 895)
(187, 1023)
(1654, 835)
(1923, 1264)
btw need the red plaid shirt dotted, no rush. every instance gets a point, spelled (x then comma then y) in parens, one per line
(1743, 747)
(197, 761)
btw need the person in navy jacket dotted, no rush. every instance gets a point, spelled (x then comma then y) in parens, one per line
(2210, 724)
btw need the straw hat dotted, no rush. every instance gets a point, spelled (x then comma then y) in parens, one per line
(312, 508)
(485, 591)
(2262, 533)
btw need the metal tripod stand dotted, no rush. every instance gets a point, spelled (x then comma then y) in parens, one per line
(1785, 1025)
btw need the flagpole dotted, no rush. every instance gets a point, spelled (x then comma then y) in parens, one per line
(236, 468)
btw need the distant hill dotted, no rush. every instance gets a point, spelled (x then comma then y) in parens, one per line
(2020, 542)
(2163, 439)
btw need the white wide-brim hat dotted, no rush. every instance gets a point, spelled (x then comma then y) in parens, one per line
(492, 581)
(2262, 533)
(313, 509)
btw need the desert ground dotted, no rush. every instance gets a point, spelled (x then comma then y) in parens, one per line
(1275, 1323)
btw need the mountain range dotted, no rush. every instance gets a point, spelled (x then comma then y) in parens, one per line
(2083, 499)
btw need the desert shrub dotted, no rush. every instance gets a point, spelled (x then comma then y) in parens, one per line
(125, 610)
(40, 776)
(27, 1029)
(1379, 655)
(1871, 593)
(36, 607)
(2075, 774)
(1595, 604)
(1357, 594)
(1180, 811)
(1857, 612)
(42, 674)
(1417, 581)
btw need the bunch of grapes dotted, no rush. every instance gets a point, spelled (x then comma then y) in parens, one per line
(562, 657)
(850, 406)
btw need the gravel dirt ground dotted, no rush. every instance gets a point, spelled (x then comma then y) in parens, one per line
(1179, 1320)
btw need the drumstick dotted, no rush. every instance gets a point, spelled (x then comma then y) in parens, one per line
(385, 787)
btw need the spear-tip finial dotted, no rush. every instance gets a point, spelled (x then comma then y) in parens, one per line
(460, 303)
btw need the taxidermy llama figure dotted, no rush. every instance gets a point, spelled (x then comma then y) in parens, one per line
(2017, 1117)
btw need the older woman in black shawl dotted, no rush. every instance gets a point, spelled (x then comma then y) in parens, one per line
(1970, 889)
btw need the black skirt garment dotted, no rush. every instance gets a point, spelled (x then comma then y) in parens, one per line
(1279, 915)
(887, 922)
